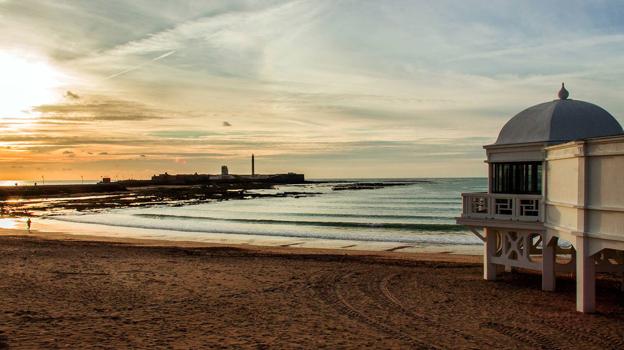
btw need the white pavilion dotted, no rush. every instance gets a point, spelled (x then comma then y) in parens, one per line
(555, 200)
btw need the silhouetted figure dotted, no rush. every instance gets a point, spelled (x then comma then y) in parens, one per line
(28, 223)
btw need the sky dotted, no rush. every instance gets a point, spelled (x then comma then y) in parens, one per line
(329, 88)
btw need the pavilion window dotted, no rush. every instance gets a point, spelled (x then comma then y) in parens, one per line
(517, 178)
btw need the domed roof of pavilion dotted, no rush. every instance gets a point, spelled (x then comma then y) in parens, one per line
(558, 121)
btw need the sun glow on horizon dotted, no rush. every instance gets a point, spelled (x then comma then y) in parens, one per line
(26, 82)
(332, 89)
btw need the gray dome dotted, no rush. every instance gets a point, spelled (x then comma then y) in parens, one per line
(559, 121)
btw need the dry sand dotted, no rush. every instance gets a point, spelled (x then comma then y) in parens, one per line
(74, 292)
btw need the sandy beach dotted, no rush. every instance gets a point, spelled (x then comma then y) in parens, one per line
(68, 291)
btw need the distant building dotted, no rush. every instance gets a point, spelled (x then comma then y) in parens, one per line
(225, 176)
(181, 179)
(555, 173)
(106, 180)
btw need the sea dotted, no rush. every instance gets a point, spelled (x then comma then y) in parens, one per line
(419, 212)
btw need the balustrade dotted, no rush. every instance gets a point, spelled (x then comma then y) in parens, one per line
(502, 206)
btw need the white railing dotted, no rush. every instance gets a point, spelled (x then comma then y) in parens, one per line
(519, 207)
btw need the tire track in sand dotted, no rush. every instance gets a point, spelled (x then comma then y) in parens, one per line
(394, 302)
(336, 299)
(525, 336)
(579, 335)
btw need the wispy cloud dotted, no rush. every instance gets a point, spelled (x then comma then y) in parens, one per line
(125, 71)
(308, 84)
(71, 95)
(100, 109)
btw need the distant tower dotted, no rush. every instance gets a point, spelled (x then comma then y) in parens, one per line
(224, 170)
(253, 165)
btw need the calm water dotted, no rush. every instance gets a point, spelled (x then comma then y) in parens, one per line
(416, 213)
(45, 182)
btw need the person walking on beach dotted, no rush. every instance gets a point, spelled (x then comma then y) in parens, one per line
(28, 223)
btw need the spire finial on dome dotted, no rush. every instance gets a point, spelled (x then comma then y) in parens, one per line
(563, 93)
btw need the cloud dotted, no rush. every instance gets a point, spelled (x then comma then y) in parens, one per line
(180, 160)
(222, 43)
(101, 109)
(72, 96)
(103, 153)
(181, 134)
(70, 154)
(316, 80)
(128, 70)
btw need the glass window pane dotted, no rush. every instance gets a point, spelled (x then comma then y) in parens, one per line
(517, 178)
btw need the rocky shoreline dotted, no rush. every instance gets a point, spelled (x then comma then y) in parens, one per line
(175, 195)
(54, 200)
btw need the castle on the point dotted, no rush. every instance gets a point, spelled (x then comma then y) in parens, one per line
(225, 176)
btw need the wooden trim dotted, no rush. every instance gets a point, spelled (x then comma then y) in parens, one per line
(477, 233)
(606, 236)
(562, 157)
(517, 146)
(567, 230)
(599, 236)
(606, 139)
(589, 207)
(536, 227)
(605, 154)
(489, 212)
(563, 204)
(562, 145)
(617, 210)
(589, 143)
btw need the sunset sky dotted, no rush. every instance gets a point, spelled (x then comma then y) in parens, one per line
(329, 88)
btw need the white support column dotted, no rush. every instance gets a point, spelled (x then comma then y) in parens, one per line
(585, 265)
(489, 249)
(549, 254)
(585, 277)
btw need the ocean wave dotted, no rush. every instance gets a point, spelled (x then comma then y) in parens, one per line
(422, 214)
(346, 224)
(390, 201)
(376, 216)
(287, 212)
(441, 239)
(376, 207)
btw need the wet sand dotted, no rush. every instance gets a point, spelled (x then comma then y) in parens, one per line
(66, 291)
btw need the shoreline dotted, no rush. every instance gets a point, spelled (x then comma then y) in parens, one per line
(417, 254)
(226, 233)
